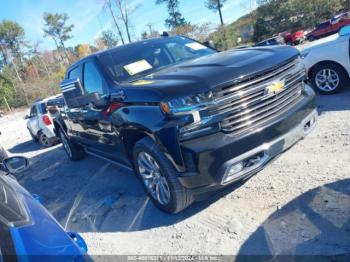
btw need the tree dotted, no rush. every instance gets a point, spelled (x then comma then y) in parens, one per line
(56, 28)
(83, 50)
(125, 10)
(216, 5)
(12, 40)
(108, 6)
(175, 18)
(100, 44)
(109, 39)
(199, 32)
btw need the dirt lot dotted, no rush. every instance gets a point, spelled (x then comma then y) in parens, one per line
(300, 204)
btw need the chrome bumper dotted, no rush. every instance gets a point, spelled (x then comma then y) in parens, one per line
(259, 156)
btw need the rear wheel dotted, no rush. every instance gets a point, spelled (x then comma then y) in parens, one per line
(328, 78)
(74, 152)
(44, 140)
(159, 177)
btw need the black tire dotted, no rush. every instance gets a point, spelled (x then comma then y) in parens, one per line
(341, 74)
(44, 140)
(311, 38)
(3, 154)
(180, 198)
(74, 151)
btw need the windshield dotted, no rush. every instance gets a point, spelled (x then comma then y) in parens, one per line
(145, 58)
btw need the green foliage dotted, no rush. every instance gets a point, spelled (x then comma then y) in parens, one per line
(12, 40)
(214, 4)
(274, 16)
(55, 26)
(175, 18)
(109, 39)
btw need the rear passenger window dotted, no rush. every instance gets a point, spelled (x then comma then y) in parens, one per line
(92, 79)
(33, 111)
(74, 73)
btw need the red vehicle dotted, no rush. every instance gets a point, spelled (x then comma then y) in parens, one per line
(329, 27)
(294, 38)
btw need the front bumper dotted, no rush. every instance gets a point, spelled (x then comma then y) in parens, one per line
(208, 159)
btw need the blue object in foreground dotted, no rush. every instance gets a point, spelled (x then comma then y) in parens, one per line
(28, 232)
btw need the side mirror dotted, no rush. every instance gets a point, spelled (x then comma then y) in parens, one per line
(209, 44)
(72, 89)
(27, 117)
(344, 30)
(16, 164)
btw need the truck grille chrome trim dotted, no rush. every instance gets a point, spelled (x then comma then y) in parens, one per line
(250, 103)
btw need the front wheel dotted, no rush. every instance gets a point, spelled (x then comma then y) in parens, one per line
(159, 177)
(74, 152)
(328, 78)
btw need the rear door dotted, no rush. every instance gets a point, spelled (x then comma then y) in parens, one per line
(33, 123)
(72, 115)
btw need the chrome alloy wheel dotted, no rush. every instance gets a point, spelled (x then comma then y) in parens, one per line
(44, 140)
(327, 80)
(153, 179)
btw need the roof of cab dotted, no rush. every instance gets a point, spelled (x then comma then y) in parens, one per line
(129, 45)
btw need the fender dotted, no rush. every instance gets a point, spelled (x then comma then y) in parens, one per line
(59, 124)
(153, 124)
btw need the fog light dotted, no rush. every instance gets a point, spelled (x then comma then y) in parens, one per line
(234, 169)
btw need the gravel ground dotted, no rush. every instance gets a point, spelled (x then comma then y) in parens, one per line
(300, 204)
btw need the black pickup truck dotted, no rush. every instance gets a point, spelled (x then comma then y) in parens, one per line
(188, 119)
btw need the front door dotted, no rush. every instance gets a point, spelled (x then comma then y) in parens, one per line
(98, 133)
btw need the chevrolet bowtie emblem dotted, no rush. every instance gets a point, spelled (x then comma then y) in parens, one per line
(275, 87)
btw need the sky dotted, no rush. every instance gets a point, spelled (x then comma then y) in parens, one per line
(90, 19)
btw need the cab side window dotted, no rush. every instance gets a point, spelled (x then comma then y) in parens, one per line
(74, 73)
(33, 111)
(92, 79)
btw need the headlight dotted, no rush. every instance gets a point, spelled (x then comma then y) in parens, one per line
(193, 106)
(188, 103)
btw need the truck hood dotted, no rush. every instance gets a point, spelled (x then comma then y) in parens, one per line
(208, 72)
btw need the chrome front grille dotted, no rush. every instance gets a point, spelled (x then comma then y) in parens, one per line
(248, 104)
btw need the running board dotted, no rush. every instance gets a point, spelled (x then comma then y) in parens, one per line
(109, 160)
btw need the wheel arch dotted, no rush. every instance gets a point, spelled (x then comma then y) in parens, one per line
(59, 125)
(312, 69)
(132, 136)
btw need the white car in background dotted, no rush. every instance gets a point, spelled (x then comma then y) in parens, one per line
(328, 62)
(40, 121)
